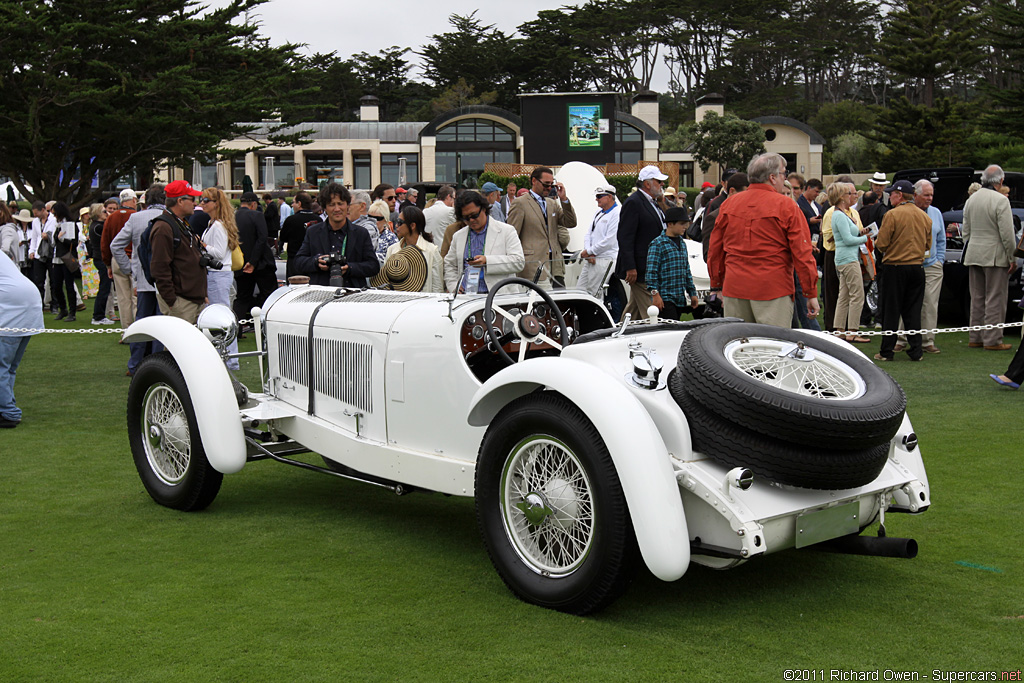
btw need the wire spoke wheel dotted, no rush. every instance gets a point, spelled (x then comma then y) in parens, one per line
(547, 506)
(795, 368)
(166, 434)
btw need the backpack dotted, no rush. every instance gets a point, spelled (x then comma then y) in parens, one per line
(693, 232)
(145, 249)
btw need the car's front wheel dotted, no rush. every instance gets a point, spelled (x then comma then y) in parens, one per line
(551, 508)
(164, 437)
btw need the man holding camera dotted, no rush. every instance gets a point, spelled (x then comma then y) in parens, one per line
(176, 265)
(335, 244)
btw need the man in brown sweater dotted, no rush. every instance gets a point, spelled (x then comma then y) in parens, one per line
(904, 237)
(179, 279)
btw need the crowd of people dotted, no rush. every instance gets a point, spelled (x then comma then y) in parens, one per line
(767, 235)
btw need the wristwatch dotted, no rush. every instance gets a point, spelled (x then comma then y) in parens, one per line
(653, 292)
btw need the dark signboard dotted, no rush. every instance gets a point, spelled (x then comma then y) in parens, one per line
(563, 127)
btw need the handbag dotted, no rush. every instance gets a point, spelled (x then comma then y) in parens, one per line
(1019, 251)
(70, 261)
(867, 260)
(237, 260)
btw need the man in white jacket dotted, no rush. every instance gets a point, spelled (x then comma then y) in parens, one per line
(601, 243)
(484, 252)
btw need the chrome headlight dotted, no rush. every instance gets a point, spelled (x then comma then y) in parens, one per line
(219, 324)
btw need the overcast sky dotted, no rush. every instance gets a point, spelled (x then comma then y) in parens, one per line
(358, 26)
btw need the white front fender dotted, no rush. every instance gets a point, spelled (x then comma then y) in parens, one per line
(209, 386)
(638, 452)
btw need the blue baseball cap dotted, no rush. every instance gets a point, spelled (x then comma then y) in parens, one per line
(490, 187)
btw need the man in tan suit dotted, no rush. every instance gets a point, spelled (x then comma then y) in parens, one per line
(988, 233)
(543, 223)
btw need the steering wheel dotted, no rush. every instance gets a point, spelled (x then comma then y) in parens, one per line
(525, 326)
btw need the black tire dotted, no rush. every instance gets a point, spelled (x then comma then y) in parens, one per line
(549, 440)
(849, 404)
(775, 460)
(164, 437)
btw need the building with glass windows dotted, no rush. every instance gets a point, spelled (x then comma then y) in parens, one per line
(553, 129)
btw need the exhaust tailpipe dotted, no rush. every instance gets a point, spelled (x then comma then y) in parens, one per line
(878, 546)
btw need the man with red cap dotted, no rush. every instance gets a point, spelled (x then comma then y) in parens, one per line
(180, 280)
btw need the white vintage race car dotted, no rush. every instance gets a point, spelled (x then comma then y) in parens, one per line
(587, 446)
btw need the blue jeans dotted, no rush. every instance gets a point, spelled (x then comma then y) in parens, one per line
(146, 306)
(800, 317)
(11, 351)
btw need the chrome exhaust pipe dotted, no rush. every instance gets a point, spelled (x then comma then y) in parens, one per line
(878, 546)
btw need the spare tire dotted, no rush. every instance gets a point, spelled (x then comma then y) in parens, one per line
(791, 385)
(775, 460)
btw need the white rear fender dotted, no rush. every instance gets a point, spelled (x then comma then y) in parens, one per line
(209, 386)
(638, 452)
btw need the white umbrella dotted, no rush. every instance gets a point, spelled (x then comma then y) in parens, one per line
(269, 183)
(197, 175)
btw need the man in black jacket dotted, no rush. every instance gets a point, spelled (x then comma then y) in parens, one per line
(258, 270)
(337, 236)
(640, 221)
(293, 231)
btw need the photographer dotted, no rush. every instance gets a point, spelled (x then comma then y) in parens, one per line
(177, 267)
(335, 243)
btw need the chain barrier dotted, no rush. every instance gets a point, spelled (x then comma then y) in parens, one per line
(21, 331)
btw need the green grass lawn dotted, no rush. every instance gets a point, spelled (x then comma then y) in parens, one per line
(290, 575)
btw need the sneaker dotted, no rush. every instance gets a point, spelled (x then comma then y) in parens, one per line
(8, 424)
(882, 358)
(104, 321)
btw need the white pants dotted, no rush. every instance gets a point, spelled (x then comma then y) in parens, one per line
(594, 275)
(218, 291)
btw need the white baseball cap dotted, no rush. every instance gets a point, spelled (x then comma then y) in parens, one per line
(649, 172)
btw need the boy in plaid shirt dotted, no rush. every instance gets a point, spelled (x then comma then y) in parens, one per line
(668, 266)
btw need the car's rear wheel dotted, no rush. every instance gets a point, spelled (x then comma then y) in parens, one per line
(164, 437)
(551, 508)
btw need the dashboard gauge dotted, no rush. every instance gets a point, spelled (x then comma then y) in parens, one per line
(478, 331)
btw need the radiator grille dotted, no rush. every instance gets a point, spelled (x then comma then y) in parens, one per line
(293, 357)
(342, 368)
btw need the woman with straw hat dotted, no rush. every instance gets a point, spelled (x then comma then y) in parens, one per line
(405, 270)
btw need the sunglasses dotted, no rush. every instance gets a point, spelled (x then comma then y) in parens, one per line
(378, 218)
(472, 216)
(397, 223)
(207, 200)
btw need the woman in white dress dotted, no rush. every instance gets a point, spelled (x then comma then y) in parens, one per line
(409, 229)
(220, 239)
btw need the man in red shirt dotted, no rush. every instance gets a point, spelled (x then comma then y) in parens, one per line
(760, 237)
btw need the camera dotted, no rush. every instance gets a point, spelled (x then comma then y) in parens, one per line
(553, 192)
(334, 262)
(207, 261)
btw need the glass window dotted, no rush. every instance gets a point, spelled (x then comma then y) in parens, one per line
(325, 169)
(627, 133)
(686, 174)
(361, 162)
(476, 130)
(628, 157)
(237, 172)
(284, 171)
(391, 166)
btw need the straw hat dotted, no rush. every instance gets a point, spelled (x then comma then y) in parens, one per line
(24, 216)
(404, 271)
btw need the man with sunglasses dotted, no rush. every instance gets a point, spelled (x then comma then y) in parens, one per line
(179, 279)
(542, 223)
(484, 252)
